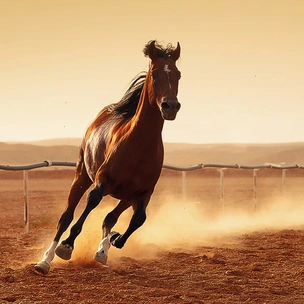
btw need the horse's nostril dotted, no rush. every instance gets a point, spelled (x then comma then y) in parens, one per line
(171, 105)
(165, 106)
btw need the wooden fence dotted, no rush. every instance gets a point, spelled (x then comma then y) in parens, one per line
(221, 168)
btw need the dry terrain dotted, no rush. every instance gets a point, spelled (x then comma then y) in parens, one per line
(190, 250)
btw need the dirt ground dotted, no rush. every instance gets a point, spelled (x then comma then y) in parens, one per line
(189, 250)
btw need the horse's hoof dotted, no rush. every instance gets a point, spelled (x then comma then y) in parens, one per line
(64, 251)
(43, 267)
(101, 257)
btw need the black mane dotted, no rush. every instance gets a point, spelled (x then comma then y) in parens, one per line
(163, 52)
(127, 106)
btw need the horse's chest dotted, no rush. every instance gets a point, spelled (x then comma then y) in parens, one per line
(129, 177)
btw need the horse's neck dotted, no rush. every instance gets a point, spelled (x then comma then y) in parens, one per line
(147, 122)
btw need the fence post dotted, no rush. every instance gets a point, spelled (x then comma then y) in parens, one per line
(255, 177)
(26, 202)
(222, 188)
(184, 186)
(284, 181)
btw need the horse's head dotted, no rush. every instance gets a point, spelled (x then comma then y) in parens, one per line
(163, 77)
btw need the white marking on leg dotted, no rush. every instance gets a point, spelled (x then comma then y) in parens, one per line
(104, 246)
(50, 253)
(101, 254)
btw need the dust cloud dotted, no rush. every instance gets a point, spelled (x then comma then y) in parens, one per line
(178, 225)
(175, 225)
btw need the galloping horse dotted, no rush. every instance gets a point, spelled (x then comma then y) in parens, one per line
(122, 155)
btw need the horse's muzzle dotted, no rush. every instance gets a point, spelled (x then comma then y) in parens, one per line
(169, 108)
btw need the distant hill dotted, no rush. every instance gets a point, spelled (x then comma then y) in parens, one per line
(177, 154)
(53, 142)
(22, 154)
(242, 154)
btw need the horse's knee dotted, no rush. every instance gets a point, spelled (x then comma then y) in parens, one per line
(138, 218)
(94, 197)
(65, 220)
(63, 223)
(110, 220)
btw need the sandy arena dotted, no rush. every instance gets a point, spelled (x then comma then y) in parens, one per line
(188, 251)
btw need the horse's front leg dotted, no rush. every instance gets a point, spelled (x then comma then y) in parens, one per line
(137, 220)
(110, 220)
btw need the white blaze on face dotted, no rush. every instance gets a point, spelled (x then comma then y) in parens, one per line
(167, 70)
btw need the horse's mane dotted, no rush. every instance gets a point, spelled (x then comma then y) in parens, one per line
(127, 106)
(162, 51)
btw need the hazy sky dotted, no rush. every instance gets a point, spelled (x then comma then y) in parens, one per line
(242, 65)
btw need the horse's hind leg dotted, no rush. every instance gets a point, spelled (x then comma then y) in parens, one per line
(110, 220)
(79, 186)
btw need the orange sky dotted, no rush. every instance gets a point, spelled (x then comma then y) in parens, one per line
(242, 66)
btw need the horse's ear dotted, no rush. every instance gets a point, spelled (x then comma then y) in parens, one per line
(152, 50)
(176, 53)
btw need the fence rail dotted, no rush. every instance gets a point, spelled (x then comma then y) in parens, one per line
(45, 163)
(221, 168)
(48, 163)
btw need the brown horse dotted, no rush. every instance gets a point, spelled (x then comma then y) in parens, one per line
(122, 155)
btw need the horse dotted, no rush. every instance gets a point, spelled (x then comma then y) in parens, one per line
(121, 155)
